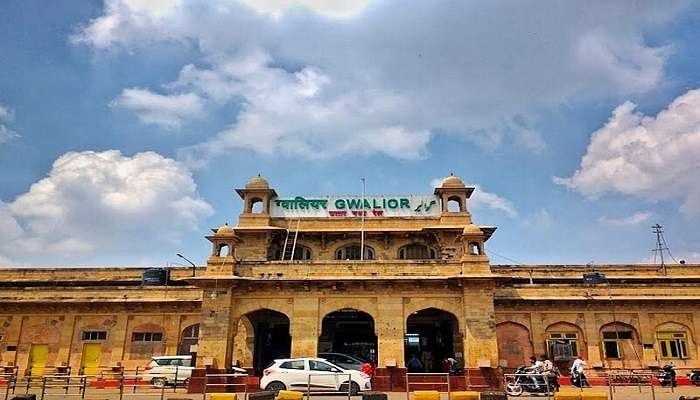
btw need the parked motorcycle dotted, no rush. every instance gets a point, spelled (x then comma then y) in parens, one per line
(667, 375)
(524, 382)
(694, 377)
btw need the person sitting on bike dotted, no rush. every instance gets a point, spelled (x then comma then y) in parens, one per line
(535, 369)
(550, 375)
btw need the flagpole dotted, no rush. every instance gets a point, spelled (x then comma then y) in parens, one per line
(362, 228)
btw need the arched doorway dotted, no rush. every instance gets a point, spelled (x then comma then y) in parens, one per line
(271, 337)
(349, 331)
(432, 335)
(514, 344)
(189, 338)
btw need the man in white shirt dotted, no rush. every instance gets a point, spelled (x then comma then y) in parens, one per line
(577, 370)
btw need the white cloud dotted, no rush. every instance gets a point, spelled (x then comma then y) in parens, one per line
(6, 115)
(385, 81)
(328, 8)
(482, 199)
(654, 158)
(165, 110)
(634, 219)
(95, 204)
(541, 219)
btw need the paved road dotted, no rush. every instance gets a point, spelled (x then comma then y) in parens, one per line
(629, 393)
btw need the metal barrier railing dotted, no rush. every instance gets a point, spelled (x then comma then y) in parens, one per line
(63, 382)
(427, 374)
(630, 378)
(518, 384)
(136, 381)
(225, 377)
(349, 383)
(10, 382)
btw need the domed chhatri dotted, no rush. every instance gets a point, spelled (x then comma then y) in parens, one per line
(258, 182)
(225, 230)
(472, 229)
(452, 182)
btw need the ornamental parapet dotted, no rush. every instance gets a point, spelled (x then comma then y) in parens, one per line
(354, 268)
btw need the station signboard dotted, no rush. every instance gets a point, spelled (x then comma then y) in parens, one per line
(355, 206)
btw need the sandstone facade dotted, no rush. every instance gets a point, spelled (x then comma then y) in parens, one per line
(420, 274)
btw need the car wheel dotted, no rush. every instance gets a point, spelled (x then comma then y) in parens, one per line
(275, 386)
(354, 388)
(159, 382)
(186, 382)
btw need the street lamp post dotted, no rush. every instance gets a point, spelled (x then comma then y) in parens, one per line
(194, 267)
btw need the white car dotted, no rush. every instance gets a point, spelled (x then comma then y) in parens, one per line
(162, 370)
(294, 374)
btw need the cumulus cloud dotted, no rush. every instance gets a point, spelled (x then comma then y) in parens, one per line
(482, 199)
(6, 116)
(165, 110)
(632, 220)
(652, 157)
(382, 80)
(98, 204)
(328, 8)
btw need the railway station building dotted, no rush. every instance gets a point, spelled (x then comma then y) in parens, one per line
(378, 277)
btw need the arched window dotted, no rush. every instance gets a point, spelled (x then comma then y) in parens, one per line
(416, 252)
(256, 206)
(454, 204)
(352, 252)
(300, 253)
(474, 249)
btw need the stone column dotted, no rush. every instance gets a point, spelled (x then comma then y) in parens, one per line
(592, 340)
(390, 328)
(304, 327)
(116, 339)
(67, 331)
(538, 334)
(215, 329)
(480, 345)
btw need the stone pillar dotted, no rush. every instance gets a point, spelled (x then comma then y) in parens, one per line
(538, 334)
(390, 328)
(215, 330)
(647, 334)
(480, 344)
(116, 340)
(592, 340)
(304, 327)
(67, 331)
(172, 334)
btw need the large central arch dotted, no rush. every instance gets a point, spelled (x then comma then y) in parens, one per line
(432, 335)
(271, 339)
(349, 331)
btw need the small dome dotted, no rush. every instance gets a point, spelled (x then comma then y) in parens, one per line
(472, 229)
(225, 230)
(452, 182)
(257, 182)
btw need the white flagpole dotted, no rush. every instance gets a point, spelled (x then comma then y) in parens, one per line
(362, 229)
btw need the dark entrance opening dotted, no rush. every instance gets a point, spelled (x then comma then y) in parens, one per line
(430, 336)
(349, 331)
(272, 339)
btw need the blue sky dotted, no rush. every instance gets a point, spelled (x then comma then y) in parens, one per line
(125, 125)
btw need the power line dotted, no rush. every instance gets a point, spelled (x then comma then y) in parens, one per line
(661, 246)
(505, 258)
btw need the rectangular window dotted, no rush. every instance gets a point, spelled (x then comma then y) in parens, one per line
(562, 346)
(627, 335)
(673, 345)
(94, 335)
(296, 364)
(611, 349)
(147, 337)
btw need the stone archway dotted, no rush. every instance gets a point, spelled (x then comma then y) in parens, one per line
(271, 337)
(432, 335)
(514, 344)
(349, 331)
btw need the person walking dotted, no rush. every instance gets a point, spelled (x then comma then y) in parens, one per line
(414, 365)
(578, 375)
